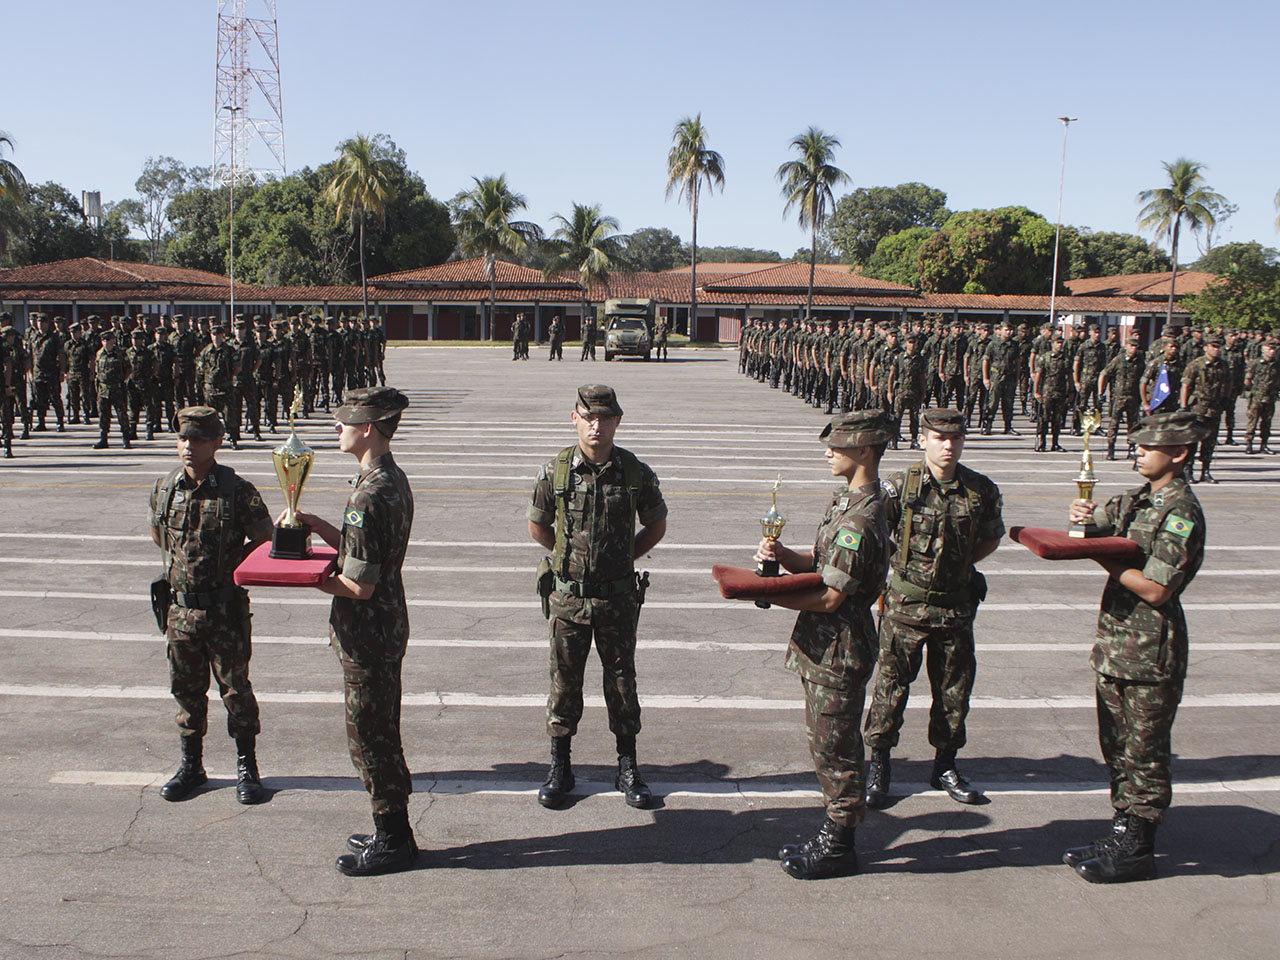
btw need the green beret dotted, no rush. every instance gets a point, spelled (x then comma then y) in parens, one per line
(857, 429)
(598, 399)
(201, 423)
(370, 404)
(943, 420)
(1170, 429)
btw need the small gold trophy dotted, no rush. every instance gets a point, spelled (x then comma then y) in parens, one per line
(293, 459)
(771, 525)
(1090, 421)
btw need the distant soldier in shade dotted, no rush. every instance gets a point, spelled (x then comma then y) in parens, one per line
(111, 371)
(555, 336)
(1262, 383)
(49, 366)
(588, 338)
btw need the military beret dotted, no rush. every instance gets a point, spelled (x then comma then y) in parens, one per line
(596, 398)
(1170, 429)
(943, 420)
(370, 404)
(857, 429)
(201, 423)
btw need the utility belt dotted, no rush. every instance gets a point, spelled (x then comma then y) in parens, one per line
(207, 598)
(597, 589)
(976, 590)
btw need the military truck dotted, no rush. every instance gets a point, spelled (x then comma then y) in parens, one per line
(628, 327)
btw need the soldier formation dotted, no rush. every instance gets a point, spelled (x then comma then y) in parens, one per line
(904, 367)
(143, 369)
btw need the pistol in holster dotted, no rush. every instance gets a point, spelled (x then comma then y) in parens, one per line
(545, 581)
(642, 587)
(161, 599)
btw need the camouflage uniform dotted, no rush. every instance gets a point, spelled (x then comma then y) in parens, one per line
(370, 636)
(218, 366)
(1001, 363)
(79, 378)
(205, 530)
(1208, 386)
(1123, 376)
(142, 386)
(48, 363)
(8, 382)
(588, 339)
(555, 336)
(111, 369)
(1053, 383)
(1263, 384)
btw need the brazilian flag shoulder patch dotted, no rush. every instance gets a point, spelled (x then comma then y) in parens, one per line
(849, 539)
(354, 517)
(255, 501)
(1179, 526)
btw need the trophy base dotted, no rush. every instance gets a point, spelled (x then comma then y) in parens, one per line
(1083, 531)
(291, 543)
(768, 568)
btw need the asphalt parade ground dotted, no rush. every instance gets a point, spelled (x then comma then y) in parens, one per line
(94, 863)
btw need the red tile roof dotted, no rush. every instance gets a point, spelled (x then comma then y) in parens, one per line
(1143, 286)
(795, 276)
(90, 270)
(728, 269)
(464, 272)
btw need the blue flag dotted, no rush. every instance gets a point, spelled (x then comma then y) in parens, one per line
(1161, 393)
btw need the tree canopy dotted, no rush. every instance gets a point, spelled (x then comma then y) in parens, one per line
(1106, 254)
(861, 219)
(1006, 250)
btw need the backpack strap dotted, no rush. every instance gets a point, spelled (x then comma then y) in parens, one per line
(910, 491)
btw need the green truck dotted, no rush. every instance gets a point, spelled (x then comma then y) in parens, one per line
(628, 327)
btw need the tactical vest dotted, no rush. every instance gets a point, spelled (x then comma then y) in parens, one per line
(229, 540)
(560, 481)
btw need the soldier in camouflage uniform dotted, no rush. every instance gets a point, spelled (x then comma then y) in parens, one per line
(319, 337)
(207, 519)
(141, 386)
(1052, 382)
(597, 507)
(1120, 379)
(555, 337)
(975, 390)
(1140, 655)
(833, 643)
(248, 399)
(301, 346)
(164, 360)
(369, 623)
(8, 380)
(218, 365)
(111, 371)
(49, 366)
(1091, 357)
(907, 380)
(588, 338)
(945, 519)
(1235, 346)
(1206, 386)
(1000, 378)
(1166, 358)
(1262, 383)
(284, 369)
(79, 350)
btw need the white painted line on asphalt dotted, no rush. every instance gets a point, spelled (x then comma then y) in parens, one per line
(651, 702)
(694, 790)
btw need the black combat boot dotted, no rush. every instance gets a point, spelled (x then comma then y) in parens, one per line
(248, 784)
(8, 449)
(1078, 855)
(1249, 446)
(389, 849)
(947, 777)
(560, 779)
(628, 780)
(878, 779)
(1132, 857)
(829, 854)
(1111, 449)
(190, 771)
(1265, 448)
(1205, 475)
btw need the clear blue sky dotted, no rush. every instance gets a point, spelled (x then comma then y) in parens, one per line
(575, 101)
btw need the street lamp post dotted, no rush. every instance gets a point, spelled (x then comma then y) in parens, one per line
(231, 221)
(1057, 232)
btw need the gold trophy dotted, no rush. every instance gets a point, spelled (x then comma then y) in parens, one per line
(293, 458)
(1090, 421)
(771, 525)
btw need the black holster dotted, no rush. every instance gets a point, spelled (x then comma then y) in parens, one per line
(161, 599)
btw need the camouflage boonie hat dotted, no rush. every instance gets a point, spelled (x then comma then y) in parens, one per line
(943, 420)
(201, 423)
(371, 404)
(597, 399)
(1171, 429)
(857, 429)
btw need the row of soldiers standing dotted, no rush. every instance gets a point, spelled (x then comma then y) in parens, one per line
(143, 371)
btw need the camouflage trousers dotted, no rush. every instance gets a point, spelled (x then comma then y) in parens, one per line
(372, 694)
(1127, 409)
(1134, 724)
(48, 393)
(1260, 415)
(1000, 401)
(1210, 443)
(613, 624)
(216, 639)
(952, 387)
(833, 717)
(112, 398)
(952, 667)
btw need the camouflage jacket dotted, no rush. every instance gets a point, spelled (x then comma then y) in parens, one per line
(375, 535)
(1003, 356)
(111, 367)
(1091, 357)
(909, 378)
(1054, 375)
(1137, 641)
(1264, 380)
(218, 365)
(163, 360)
(142, 366)
(247, 357)
(934, 581)
(47, 356)
(205, 528)
(1124, 375)
(1208, 384)
(851, 552)
(1151, 376)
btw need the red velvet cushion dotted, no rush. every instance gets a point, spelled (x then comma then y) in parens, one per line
(259, 570)
(1057, 545)
(741, 583)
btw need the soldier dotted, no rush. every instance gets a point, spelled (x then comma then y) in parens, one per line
(661, 331)
(186, 348)
(353, 354)
(79, 374)
(1140, 656)
(111, 371)
(285, 368)
(1206, 386)
(141, 384)
(555, 335)
(378, 350)
(164, 361)
(1053, 375)
(1091, 357)
(207, 519)
(1025, 352)
(300, 344)
(1191, 348)
(975, 390)
(369, 623)
(8, 380)
(588, 338)
(1122, 377)
(49, 366)
(337, 358)
(587, 504)
(218, 363)
(248, 357)
(906, 390)
(833, 643)
(1163, 376)
(1234, 353)
(519, 338)
(945, 518)
(320, 358)
(1000, 378)
(951, 356)
(1262, 383)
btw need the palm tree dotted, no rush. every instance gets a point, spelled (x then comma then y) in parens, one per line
(361, 186)
(690, 166)
(12, 189)
(806, 183)
(482, 220)
(1187, 199)
(586, 241)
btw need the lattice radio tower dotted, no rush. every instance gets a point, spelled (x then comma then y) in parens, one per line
(244, 123)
